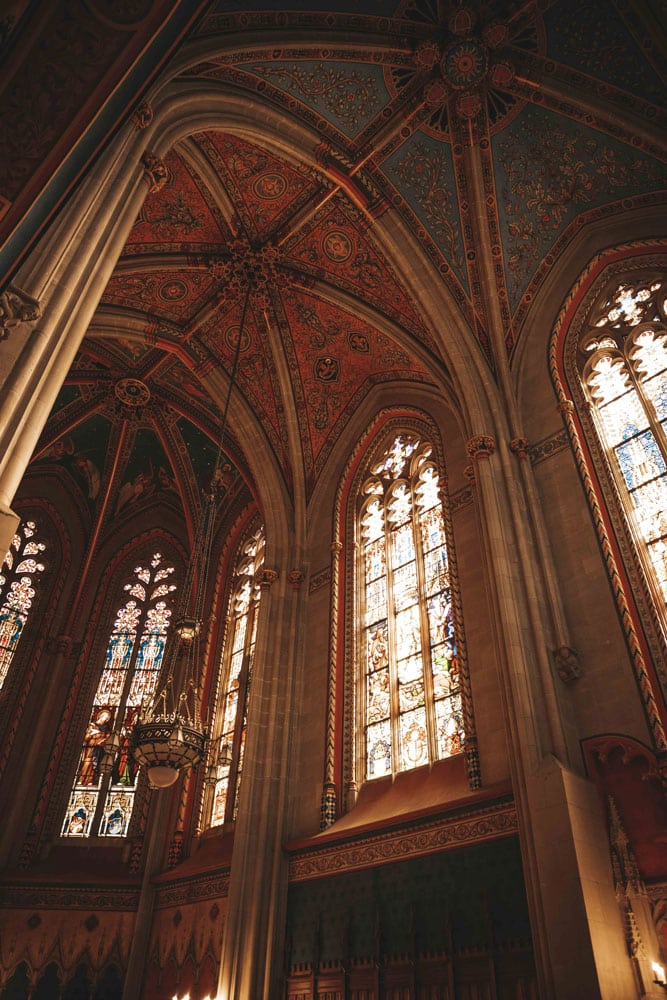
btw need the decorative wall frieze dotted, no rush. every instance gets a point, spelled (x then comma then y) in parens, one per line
(17, 307)
(462, 498)
(548, 446)
(319, 580)
(480, 446)
(156, 173)
(415, 840)
(209, 886)
(68, 897)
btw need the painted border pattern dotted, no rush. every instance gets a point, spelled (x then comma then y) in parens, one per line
(471, 827)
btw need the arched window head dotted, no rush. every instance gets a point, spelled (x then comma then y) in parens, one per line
(102, 798)
(18, 577)
(236, 672)
(623, 366)
(410, 703)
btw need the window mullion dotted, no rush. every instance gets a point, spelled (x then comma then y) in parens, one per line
(427, 671)
(649, 409)
(241, 704)
(394, 710)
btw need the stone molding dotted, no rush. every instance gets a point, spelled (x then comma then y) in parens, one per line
(71, 897)
(209, 886)
(549, 446)
(415, 840)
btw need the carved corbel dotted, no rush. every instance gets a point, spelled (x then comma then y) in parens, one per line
(156, 173)
(16, 307)
(567, 664)
(142, 115)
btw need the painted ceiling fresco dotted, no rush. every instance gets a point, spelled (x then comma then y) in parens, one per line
(462, 121)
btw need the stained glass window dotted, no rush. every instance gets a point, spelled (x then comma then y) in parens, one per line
(18, 578)
(236, 672)
(624, 369)
(411, 702)
(102, 797)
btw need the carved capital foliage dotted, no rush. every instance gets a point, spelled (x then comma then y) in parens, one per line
(519, 446)
(16, 307)
(296, 578)
(480, 446)
(156, 173)
(267, 578)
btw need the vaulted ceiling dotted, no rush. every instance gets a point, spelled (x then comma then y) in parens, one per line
(494, 132)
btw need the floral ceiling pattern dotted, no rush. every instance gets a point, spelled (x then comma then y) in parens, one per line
(475, 131)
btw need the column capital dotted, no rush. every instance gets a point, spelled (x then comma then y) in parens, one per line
(296, 578)
(480, 446)
(519, 446)
(267, 578)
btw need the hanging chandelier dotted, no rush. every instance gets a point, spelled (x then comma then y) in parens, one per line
(170, 736)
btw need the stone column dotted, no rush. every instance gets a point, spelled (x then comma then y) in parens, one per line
(577, 931)
(53, 300)
(252, 953)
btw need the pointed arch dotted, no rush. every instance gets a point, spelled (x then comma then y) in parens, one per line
(235, 674)
(102, 796)
(398, 645)
(605, 359)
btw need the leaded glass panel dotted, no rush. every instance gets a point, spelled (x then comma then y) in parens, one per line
(101, 800)
(18, 575)
(226, 767)
(410, 656)
(626, 377)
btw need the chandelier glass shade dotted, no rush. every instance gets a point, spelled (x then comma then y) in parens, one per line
(167, 747)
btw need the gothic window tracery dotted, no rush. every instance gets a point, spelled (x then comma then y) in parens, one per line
(410, 700)
(18, 578)
(237, 662)
(623, 366)
(102, 796)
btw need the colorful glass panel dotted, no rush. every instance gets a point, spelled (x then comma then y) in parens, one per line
(19, 572)
(627, 383)
(102, 797)
(411, 674)
(237, 667)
